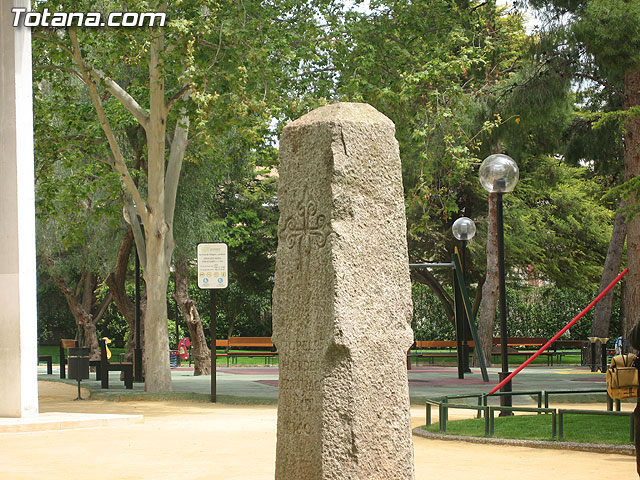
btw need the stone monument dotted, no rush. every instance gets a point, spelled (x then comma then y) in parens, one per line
(342, 299)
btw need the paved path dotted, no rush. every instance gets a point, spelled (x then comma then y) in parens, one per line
(221, 442)
(424, 382)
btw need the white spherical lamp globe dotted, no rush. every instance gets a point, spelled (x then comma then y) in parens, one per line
(464, 228)
(499, 173)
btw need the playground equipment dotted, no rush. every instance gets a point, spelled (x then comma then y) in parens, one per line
(560, 333)
(463, 314)
(107, 341)
(175, 356)
(182, 348)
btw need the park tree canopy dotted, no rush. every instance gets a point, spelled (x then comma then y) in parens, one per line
(214, 66)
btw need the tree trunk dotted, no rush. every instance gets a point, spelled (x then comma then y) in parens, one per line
(91, 339)
(199, 350)
(156, 276)
(602, 310)
(478, 300)
(491, 287)
(232, 325)
(116, 281)
(632, 170)
(89, 331)
(81, 303)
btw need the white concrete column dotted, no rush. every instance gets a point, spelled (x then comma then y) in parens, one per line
(18, 318)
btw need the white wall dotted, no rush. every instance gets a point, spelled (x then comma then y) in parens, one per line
(18, 318)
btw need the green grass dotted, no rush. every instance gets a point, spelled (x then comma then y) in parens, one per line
(577, 428)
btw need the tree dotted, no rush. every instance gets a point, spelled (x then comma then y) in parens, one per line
(600, 44)
(78, 203)
(490, 288)
(214, 67)
(74, 218)
(459, 87)
(251, 220)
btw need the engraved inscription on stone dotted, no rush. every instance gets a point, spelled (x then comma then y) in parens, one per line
(342, 300)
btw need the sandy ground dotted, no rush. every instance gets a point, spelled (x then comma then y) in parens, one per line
(205, 441)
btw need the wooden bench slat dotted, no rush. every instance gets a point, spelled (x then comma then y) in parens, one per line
(239, 343)
(516, 346)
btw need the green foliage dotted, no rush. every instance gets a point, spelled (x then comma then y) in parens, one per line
(555, 222)
(596, 43)
(114, 326)
(54, 319)
(543, 311)
(431, 74)
(78, 205)
(430, 321)
(531, 312)
(459, 86)
(610, 30)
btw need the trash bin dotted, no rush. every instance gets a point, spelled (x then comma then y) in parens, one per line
(78, 361)
(585, 354)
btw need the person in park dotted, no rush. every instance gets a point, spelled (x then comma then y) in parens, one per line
(634, 339)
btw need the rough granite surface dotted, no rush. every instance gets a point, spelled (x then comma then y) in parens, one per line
(342, 299)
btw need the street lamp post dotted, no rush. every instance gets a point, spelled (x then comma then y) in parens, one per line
(499, 174)
(464, 229)
(137, 351)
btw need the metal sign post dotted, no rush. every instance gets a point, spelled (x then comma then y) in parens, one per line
(213, 274)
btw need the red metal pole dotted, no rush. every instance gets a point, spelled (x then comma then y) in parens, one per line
(559, 334)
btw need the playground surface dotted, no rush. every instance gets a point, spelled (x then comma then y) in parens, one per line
(259, 384)
(237, 442)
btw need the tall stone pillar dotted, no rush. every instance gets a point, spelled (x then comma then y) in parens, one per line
(18, 319)
(342, 300)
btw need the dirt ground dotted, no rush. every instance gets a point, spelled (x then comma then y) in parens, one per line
(221, 442)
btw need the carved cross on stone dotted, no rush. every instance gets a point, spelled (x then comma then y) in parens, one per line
(306, 228)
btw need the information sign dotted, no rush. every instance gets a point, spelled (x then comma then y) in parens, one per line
(213, 265)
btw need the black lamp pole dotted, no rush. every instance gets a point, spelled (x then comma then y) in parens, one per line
(505, 400)
(465, 328)
(137, 353)
(499, 174)
(464, 229)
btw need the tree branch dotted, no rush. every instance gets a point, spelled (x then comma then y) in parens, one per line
(58, 67)
(176, 156)
(137, 232)
(79, 313)
(119, 164)
(123, 96)
(181, 94)
(157, 128)
(601, 82)
(49, 39)
(103, 308)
